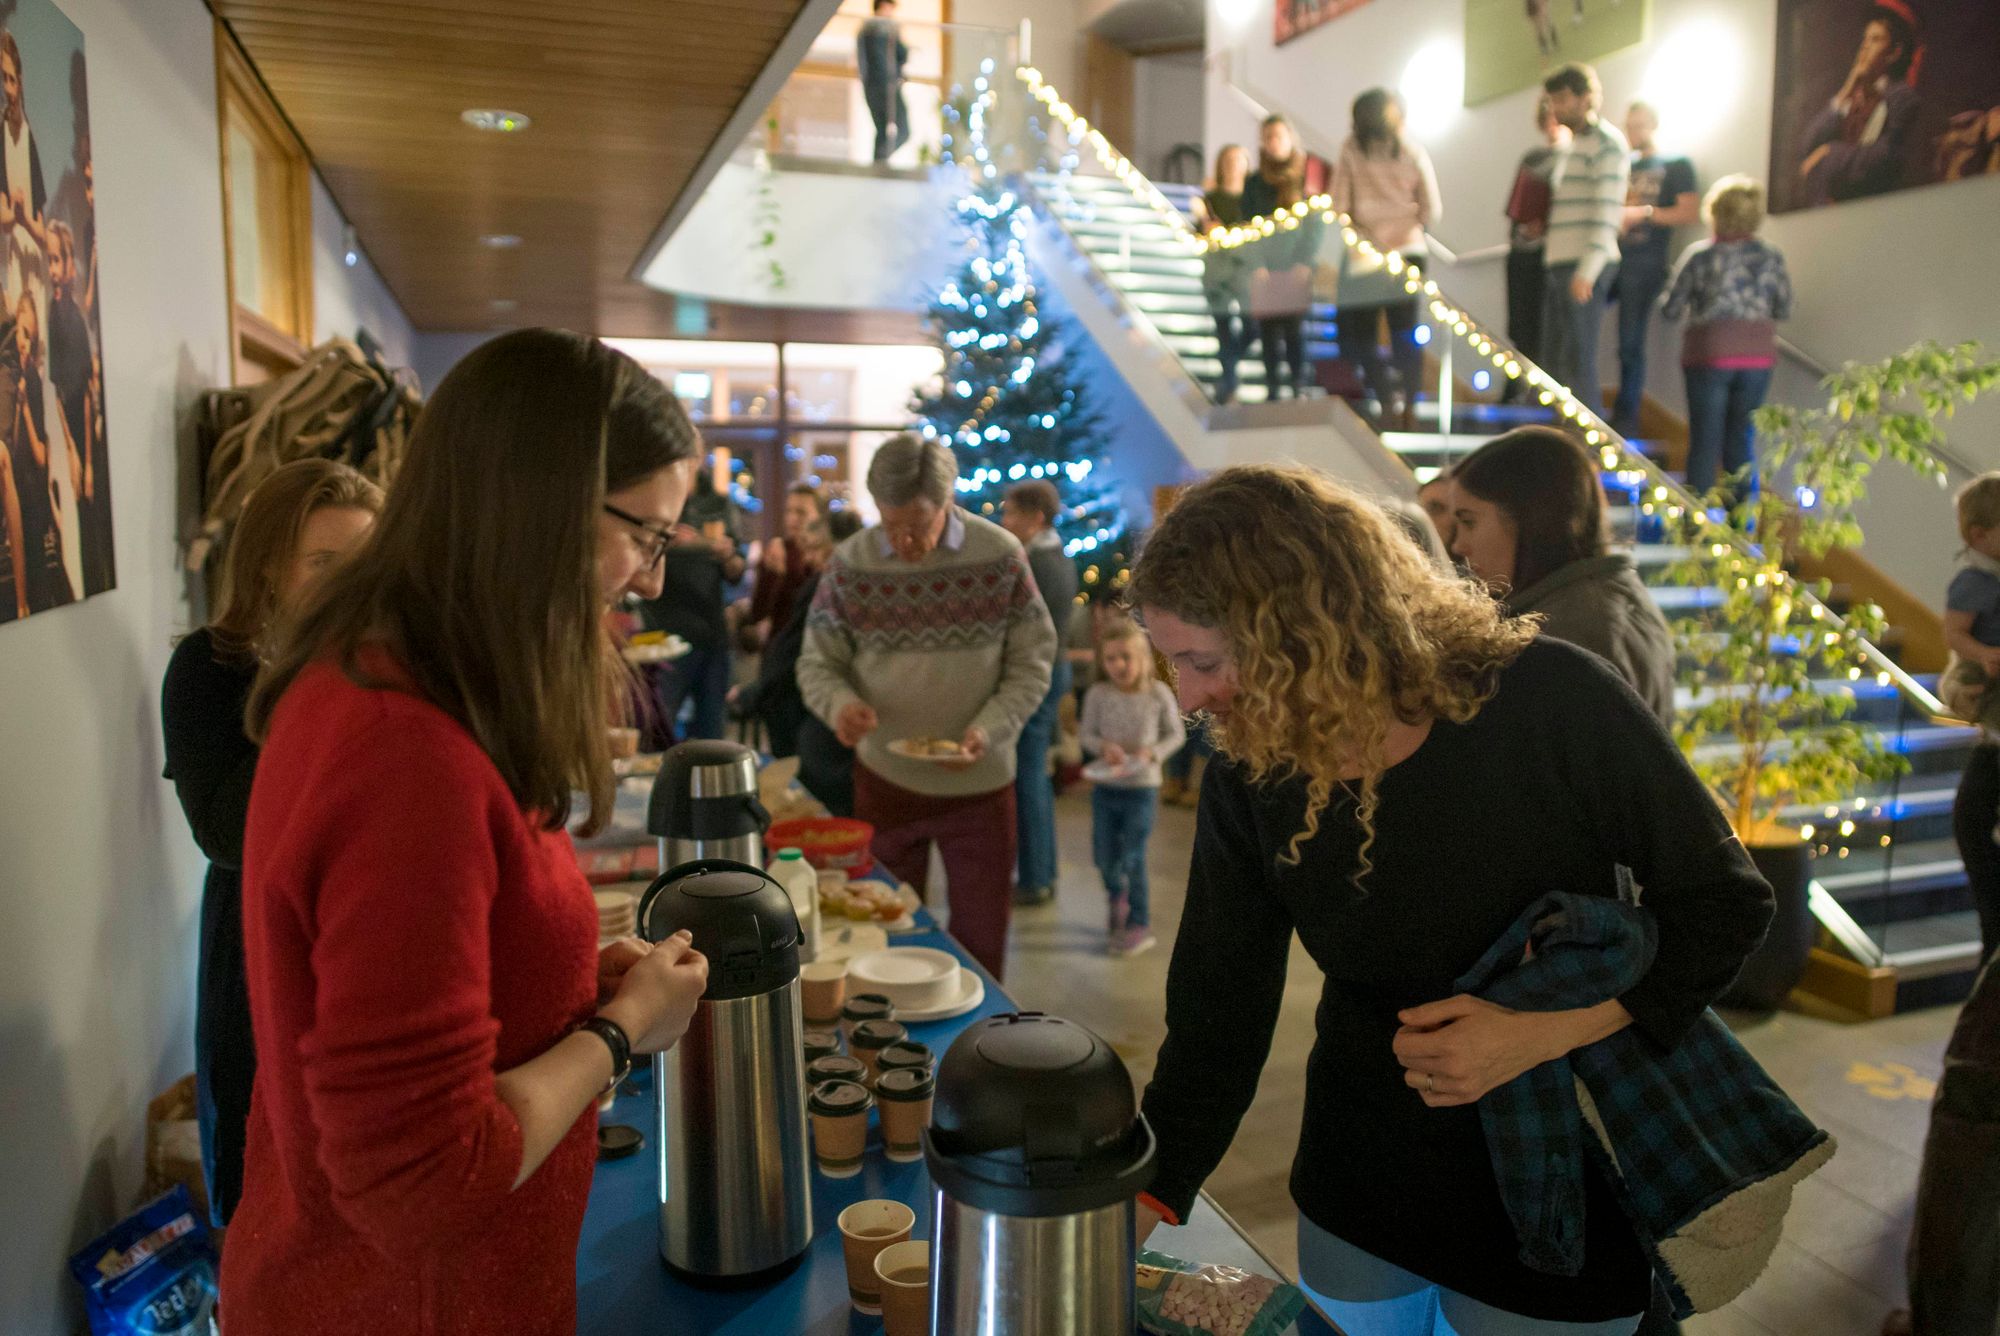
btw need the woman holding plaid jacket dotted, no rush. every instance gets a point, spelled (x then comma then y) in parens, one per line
(1403, 778)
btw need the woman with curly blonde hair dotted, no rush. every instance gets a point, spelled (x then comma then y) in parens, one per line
(1401, 772)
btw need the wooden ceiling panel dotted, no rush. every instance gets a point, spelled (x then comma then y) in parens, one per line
(626, 97)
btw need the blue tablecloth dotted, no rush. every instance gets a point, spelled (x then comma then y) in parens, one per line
(622, 1287)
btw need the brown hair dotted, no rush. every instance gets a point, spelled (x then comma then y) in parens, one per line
(1336, 625)
(1038, 495)
(1548, 485)
(1978, 504)
(1285, 176)
(481, 578)
(265, 541)
(1576, 78)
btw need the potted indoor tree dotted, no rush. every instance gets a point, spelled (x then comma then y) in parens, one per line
(1758, 658)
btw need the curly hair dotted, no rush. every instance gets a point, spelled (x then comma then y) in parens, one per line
(1335, 622)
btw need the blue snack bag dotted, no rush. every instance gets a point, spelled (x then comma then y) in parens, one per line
(151, 1274)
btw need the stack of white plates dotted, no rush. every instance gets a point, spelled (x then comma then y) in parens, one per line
(617, 913)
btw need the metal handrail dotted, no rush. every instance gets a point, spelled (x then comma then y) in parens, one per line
(1618, 452)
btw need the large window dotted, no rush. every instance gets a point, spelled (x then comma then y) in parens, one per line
(266, 221)
(776, 414)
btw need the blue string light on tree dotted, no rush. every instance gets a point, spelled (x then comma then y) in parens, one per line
(1007, 402)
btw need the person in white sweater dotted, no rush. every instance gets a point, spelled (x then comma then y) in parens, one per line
(1131, 724)
(926, 649)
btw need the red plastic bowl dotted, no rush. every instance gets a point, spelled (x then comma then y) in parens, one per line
(828, 842)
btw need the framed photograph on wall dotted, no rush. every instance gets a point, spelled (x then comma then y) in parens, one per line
(1513, 44)
(55, 473)
(1876, 96)
(1294, 18)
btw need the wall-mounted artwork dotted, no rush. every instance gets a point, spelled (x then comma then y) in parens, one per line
(55, 473)
(1876, 96)
(1294, 18)
(1513, 44)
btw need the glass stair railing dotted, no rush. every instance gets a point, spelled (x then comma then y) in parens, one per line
(1889, 888)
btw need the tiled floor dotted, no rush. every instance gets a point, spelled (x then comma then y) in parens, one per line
(1840, 1265)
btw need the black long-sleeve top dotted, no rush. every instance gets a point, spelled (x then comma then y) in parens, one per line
(1563, 776)
(209, 757)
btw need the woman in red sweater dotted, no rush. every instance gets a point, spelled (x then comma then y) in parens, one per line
(433, 1019)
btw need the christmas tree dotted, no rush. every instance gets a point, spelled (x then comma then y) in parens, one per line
(1007, 403)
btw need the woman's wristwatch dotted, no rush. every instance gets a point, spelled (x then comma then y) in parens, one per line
(614, 1037)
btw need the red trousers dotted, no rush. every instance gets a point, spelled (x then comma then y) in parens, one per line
(975, 837)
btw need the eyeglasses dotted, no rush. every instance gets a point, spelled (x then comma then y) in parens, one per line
(657, 541)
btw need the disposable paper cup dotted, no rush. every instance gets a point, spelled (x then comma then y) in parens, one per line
(840, 1127)
(905, 1099)
(820, 1044)
(822, 990)
(835, 1067)
(870, 1038)
(866, 1228)
(904, 1272)
(864, 1007)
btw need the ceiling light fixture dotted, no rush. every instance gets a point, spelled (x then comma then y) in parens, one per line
(495, 119)
(499, 241)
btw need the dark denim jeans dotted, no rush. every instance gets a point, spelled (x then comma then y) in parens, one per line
(1034, 792)
(1121, 821)
(891, 115)
(1571, 330)
(703, 673)
(1640, 282)
(1720, 403)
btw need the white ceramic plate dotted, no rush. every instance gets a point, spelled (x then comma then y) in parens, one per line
(657, 651)
(972, 991)
(913, 977)
(1103, 772)
(906, 748)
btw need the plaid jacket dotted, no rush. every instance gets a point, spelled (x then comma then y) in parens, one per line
(1682, 1134)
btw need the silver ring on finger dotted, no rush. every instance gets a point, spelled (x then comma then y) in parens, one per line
(1430, 1084)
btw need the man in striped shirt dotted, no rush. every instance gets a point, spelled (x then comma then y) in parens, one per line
(1585, 217)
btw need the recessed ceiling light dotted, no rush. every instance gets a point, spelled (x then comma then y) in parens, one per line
(499, 241)
(504, 303)
(496, 119)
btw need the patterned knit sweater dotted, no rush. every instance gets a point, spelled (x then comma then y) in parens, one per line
(935, 646)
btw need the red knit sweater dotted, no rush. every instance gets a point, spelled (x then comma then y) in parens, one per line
(409, 934)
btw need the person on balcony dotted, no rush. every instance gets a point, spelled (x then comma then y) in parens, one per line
(1385, 184)
(1281, 280)
(1586, 213)
(1224, 276)
(1528, 520)
(927, 649)
(879, 55)
(1732, 289)
(1660, 198)
(1528, 233)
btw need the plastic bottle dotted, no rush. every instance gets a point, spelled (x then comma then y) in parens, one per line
(791, 871)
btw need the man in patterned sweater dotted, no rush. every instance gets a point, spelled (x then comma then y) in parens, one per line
(1585, 217)
(928, 628)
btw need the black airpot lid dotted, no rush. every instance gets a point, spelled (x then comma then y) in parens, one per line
(742, 920)
(1036, 1116)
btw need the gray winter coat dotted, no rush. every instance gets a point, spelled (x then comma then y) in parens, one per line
(1599, 604)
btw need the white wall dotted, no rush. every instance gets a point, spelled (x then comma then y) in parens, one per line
(99, 882)
(1167, 98)
(1872, 277)
(347, 299)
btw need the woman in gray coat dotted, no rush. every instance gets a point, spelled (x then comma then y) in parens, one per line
(1529, 509)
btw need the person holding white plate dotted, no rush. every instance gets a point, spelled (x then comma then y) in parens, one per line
(1131, 724)
(926, 650)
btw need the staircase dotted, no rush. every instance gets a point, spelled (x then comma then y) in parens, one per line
(1891, 890)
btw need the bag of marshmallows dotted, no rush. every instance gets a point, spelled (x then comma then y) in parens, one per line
(1179, 1298)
